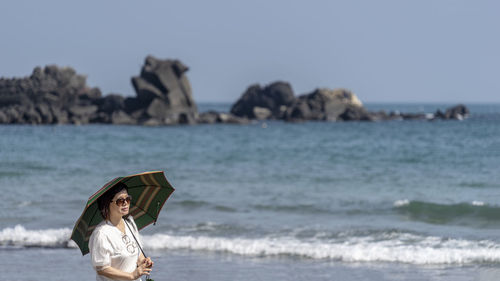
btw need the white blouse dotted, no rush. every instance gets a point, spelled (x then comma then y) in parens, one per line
(110, 247)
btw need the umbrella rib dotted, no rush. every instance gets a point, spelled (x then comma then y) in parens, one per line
(145, 212)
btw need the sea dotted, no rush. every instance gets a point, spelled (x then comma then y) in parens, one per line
(268, 201)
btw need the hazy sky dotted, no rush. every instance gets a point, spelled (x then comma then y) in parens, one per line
(384, 51)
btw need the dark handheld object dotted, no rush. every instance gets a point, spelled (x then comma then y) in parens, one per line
(139, 245)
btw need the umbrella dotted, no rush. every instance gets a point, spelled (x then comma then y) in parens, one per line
(149, 191)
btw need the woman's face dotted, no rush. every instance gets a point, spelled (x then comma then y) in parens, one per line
(119, 209)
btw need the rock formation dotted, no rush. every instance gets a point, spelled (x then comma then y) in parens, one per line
(458, 112)
(58, 95)
(270, 102)
(163, 94)
(55, 95)
(277, 101)
(326, 105)
(51, 95)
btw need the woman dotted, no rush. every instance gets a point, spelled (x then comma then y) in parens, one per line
(114, 252)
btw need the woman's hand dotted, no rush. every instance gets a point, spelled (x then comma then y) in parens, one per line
(142, 269)
(149, 263)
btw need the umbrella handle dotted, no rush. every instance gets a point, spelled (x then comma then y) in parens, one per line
(139, 245)
(131, 232)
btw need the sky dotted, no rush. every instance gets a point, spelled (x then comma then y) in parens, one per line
(384, 51)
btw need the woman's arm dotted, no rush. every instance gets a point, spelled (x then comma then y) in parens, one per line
(114, 273)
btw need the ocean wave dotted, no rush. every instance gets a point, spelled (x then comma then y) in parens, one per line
(388, 246)
(20, 236)
(402, 248)
(476, 213)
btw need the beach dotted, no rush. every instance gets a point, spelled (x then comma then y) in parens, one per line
(412, 200)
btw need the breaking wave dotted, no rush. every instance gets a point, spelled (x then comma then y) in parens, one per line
(404, 248)
(390, 246)
(21, 237)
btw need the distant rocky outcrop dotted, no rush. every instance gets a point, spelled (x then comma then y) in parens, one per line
(458, 112)
(277, 101)
(51, 95)
(58, 95)
(270, 102)
(326, 105)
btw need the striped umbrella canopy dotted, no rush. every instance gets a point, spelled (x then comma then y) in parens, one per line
(149, 191)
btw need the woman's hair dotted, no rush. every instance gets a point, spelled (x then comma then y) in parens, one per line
(107, 197)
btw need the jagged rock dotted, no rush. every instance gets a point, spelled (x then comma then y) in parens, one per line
(164, 92)
(275, 97)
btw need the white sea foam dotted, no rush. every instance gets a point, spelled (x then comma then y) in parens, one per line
(381, 247)
(401, 203)
(20, 236)
(405, 248)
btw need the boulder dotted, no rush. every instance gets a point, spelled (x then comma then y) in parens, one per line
(269, 102)
(323, 104)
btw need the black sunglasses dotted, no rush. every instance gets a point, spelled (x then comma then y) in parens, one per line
(121, 201)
